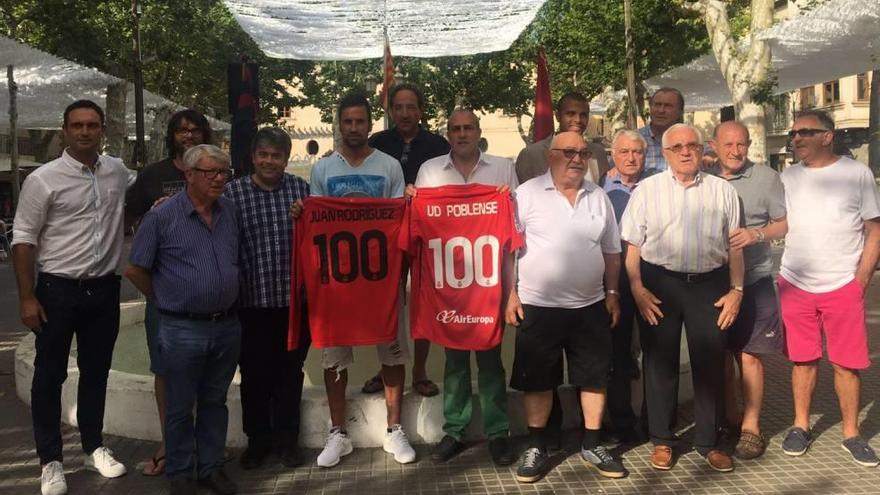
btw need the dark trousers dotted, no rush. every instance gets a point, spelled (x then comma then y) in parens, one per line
(199, 359)
(620, 408)
(271, 377)
(91, 311)
(691, 304)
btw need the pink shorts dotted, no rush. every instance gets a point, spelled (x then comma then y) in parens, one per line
(839, 314)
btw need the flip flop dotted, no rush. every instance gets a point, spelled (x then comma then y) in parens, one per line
(155, 466)
(425, 387)
(373, 385)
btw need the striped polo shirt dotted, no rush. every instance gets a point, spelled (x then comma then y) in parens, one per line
(683, 228)
(194, 266)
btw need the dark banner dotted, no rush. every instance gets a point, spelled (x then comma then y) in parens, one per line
(244, 100)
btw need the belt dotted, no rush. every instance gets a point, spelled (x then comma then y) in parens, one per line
(690, 278)
(81, 282)
(217, 316)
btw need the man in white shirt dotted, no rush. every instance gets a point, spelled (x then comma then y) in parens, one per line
(831, 251)
(681, 269)
(466, 164)
(68, 228)
(561, 303)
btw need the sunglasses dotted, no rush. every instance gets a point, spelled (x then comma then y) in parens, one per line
(212, 173)
(570, 153)
(805, 132)
(678, 148)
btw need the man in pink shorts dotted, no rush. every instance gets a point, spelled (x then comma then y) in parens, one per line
(831, 251)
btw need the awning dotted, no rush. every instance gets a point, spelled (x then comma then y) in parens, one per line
(836, 39)
(47, 84)
(351, 30)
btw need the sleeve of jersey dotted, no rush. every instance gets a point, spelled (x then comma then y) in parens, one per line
(295, 316)
(516, 235)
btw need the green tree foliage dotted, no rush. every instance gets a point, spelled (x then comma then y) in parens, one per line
(187, 44)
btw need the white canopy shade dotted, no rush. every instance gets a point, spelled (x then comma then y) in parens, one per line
(47, 84)
(836, 39)
(351, 30)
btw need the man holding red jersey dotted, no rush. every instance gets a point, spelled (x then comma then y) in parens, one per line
(466, 164)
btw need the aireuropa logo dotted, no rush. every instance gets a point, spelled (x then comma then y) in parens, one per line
(451, 316)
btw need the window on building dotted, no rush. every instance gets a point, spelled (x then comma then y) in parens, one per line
(285, 112)
(863, 87)
(831, 92)
(808, 97)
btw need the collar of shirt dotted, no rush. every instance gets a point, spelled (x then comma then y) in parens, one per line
(744, 173)
(648, 133)
(76, 164)
(480, 162)
(548, 185)
(697, 179)
(186, 205)
(420, 134)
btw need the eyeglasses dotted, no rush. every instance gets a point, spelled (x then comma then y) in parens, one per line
(805, 132)
(212, 173)
(678, 148)
(570, 153)
(188, 130)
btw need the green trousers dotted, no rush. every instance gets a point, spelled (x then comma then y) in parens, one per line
(458, 396)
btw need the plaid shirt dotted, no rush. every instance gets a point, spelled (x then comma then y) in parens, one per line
(654, 151)
(266, 230)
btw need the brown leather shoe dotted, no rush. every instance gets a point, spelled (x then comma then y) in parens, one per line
(661, 458)
(720, 461)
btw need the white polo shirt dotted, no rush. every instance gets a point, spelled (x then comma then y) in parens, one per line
(490, 169)
(561, 265)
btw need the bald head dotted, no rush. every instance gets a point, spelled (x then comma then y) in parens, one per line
(568, 158)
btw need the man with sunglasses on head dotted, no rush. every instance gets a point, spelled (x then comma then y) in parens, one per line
(185, 259)
(683, 270)
(831, 251)
(162, 179)
(566, 301)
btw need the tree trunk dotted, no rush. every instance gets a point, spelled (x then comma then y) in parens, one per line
(631, 115)
(13, 133)
(742, 71)
(874, 124)
(156, 146)
(116, 132)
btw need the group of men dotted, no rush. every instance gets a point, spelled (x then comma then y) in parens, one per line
(651, 237)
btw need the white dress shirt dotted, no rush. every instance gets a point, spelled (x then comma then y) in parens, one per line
(683, 228)
(74, 217)
(492, 170)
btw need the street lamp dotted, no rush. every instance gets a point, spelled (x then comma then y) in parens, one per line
(140, 147)
(370, 84)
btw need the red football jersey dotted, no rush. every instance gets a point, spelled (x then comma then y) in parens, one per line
(458, 236)
(347, 256)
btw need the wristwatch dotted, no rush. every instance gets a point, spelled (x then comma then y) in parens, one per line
(760, 235)
(611, 292)
(738, 288)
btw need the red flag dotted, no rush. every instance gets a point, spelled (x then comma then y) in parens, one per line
(543, 121)
(388, 77)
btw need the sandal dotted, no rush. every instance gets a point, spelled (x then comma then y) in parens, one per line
(750, 445)
(155, 466)
(373, 385)
(425, 387)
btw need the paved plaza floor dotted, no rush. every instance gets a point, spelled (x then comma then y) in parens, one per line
(825, 469)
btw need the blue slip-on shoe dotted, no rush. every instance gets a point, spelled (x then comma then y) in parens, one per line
(797, 441)
(861, 452)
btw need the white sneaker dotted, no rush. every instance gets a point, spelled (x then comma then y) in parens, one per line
(338, 445)
(397, 444)
(52, 481)
(102, 461)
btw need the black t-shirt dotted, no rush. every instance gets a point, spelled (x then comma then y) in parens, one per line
(154, 181)
(412, 155)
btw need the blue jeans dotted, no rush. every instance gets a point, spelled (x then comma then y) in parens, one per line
(199, 359)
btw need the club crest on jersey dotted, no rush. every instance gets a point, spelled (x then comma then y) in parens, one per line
(451, 316)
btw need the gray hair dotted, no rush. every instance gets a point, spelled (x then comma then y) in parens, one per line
(824, 119)
(194, 155)
(677, 127)
(629, 134)
(467, 111)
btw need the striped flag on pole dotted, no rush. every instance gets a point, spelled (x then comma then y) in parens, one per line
(388, 77)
